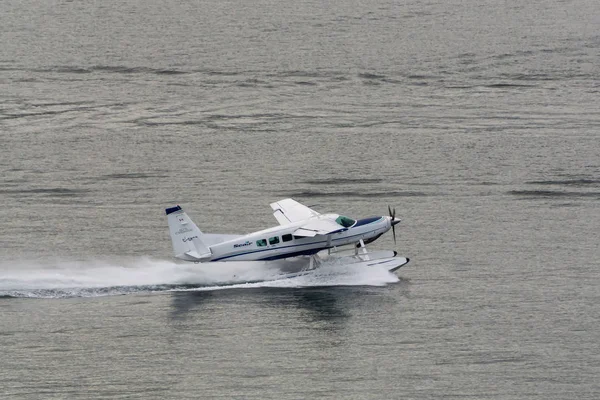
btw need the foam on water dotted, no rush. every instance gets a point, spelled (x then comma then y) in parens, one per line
(103, 277)
(326, 275)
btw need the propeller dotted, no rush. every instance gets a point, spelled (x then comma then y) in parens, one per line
(393, 222)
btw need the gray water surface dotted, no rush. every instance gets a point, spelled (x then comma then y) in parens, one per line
(477, 120)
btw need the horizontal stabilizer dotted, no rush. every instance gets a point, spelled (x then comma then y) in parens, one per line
(194, 254)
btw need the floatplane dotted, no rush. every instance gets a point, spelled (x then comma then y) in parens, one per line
(302, 233)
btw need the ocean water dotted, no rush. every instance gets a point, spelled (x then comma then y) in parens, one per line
(478, 121)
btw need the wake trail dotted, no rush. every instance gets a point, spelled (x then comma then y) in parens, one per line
(114, 276)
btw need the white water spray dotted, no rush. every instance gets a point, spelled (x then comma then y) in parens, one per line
(101, 277)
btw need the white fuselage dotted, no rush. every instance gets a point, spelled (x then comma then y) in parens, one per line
(279, 242)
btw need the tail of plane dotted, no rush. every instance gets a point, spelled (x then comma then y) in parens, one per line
(186, 237)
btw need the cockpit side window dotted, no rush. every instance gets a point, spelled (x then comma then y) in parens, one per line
(345, 221)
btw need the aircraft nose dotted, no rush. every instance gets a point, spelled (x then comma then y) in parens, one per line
(395, 221)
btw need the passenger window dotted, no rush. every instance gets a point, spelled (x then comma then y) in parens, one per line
(299, 237)
(261, 242)
(274, 240)
(286, 238)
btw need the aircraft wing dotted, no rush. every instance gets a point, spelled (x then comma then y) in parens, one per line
(288, 210)
(319, 227)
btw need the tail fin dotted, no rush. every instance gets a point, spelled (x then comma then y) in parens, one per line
(186, 237)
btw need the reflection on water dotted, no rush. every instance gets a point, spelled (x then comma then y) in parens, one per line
(183, 303)
(329, 305)
(321, 308)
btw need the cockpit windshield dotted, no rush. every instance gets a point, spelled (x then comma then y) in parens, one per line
(345, 221)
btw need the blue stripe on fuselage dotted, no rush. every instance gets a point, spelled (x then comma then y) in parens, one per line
(274, 249)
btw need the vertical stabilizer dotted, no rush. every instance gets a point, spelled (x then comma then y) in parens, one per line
(186, 237)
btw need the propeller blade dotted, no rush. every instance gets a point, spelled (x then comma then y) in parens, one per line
(393, 217)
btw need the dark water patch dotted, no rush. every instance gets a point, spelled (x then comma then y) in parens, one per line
(180, 84)
(427, 184)
(422, 77)
(192, 122)
(507, 85)
(365, 194)
(299, 74)
(221, 73)
(44, 113)
(251, 83)
(132, 175)
(224, 117)
(566, 182)
(169, 72)
(392, 81)
(500, 360)
(367, 75)
(148, 122)
(548, 194)
(417, 14)
(344, 125)
(530, 77)
(120, 69)
(342, 181)
(305, 83)
(66, 70)
(188, 122)
(50, 192)
(11, 183)
(564, 205)
(511, 55)
(339, 78)
(65, 103)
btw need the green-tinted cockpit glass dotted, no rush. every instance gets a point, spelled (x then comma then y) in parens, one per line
(345, 221)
